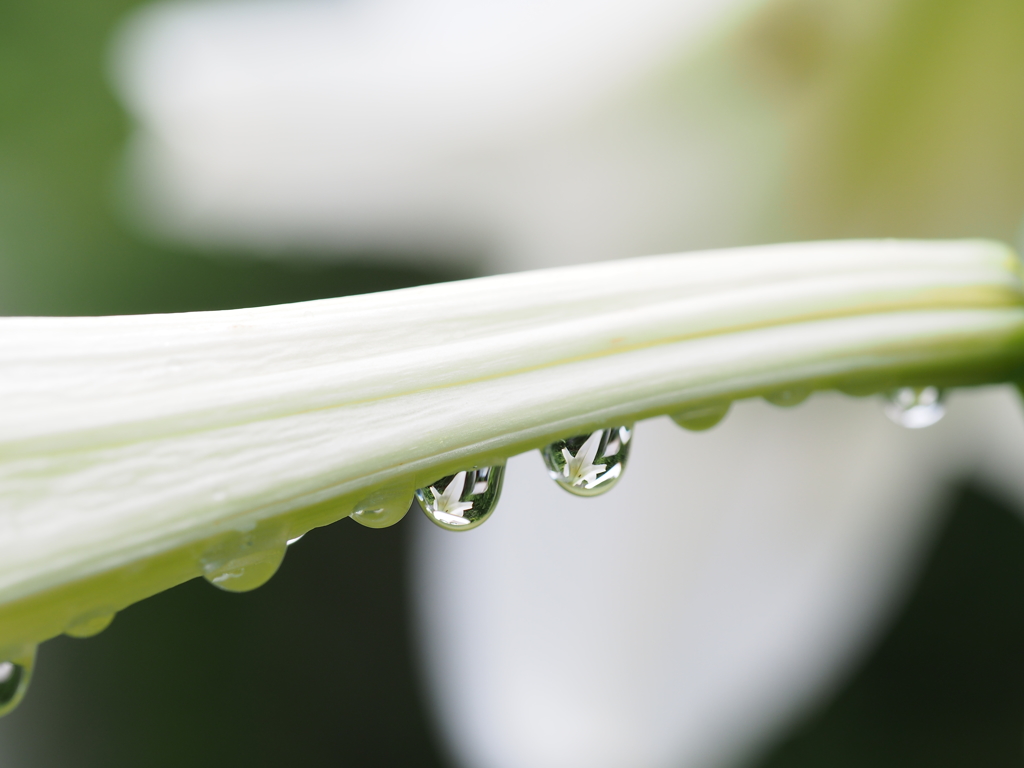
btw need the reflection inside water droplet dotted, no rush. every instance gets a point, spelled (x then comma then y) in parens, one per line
(591, 464)
(702, 417)
(15, 674)
(915, 407)
(297, 538)
(463, 500)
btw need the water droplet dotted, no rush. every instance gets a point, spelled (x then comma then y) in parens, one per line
(89, 626)
(245, 562)
(384, 507)
(862, 388)
(15, 674)
(297, 538)
(463, 500)
(787, 398)
(915, 407)
(702, 417)
(588, 465)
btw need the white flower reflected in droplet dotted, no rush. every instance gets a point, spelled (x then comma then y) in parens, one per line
(447, 506)
(580, 469)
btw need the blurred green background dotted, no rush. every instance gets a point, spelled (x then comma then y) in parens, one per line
(318, 667)
(64, 250)
(313, 669)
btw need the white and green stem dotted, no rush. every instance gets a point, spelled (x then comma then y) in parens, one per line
(135, 451)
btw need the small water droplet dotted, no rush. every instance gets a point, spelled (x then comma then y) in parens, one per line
(915, 407)
(384, 507)
(588, 465)
(15, 674)
(862, 388)
(297, 538)
(463, 500)
(702, 417)
(244, 562)
(787, 398)
(89, 626)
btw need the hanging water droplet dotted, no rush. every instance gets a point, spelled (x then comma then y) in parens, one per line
(588, 465)
(244, 574)
(245, 562)
(384, 507)
(702, 417)
(787, 398)
(915, 407)
(89, 626)
(15, 674)
(463, 500)
(862, 387)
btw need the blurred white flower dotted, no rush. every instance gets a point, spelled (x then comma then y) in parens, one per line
(685, 617)
(528, 133)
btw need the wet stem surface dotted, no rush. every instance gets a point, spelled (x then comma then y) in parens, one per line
(315, 668)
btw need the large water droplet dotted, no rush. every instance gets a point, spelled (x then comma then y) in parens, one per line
(15, 674)
(702, 417)
(245, 562)
(588, 465)
(463, 500)
(89, 625)
(915, 407)
(384, 507)
(787, 398)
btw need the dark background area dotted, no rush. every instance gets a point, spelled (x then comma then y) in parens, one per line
(945, 687)
(317, 668)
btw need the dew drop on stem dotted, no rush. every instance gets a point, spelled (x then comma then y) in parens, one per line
(701, 417)
(464, 500)
(245, 562)
(915, 407)
(383, 507)
(590, 464)
(788, 397)
(88, 626)
(15, 674)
